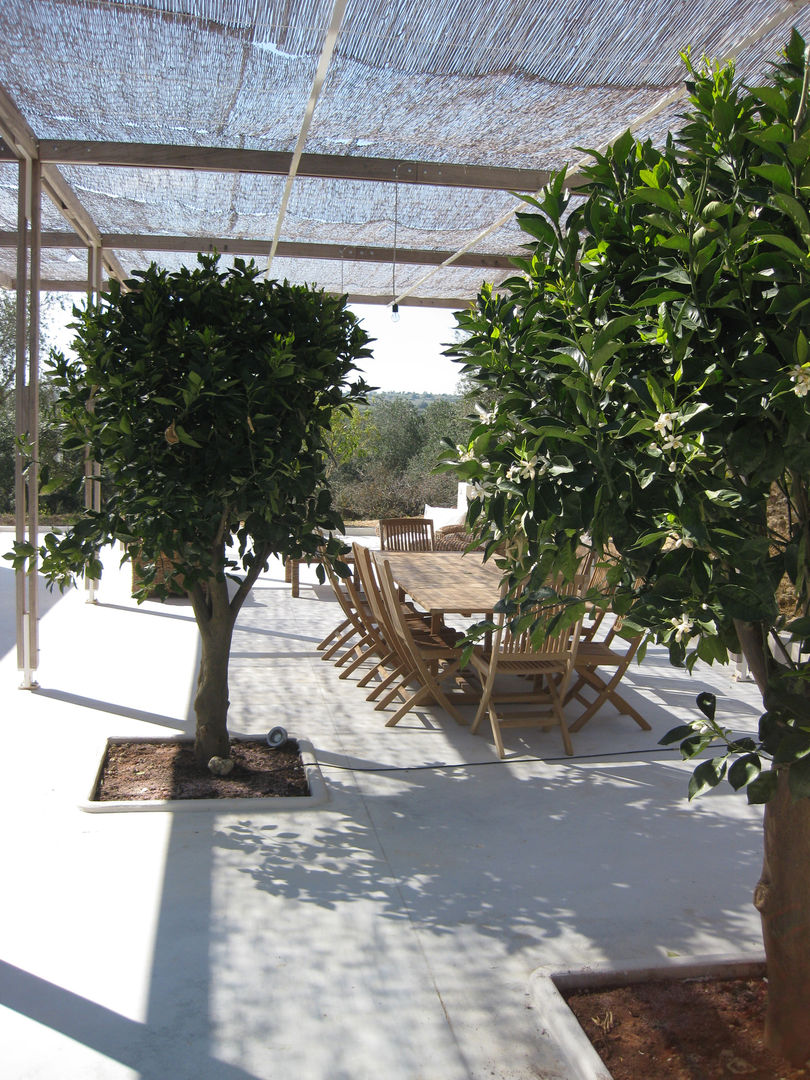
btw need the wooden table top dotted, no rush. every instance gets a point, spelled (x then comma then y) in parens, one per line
(445, 582)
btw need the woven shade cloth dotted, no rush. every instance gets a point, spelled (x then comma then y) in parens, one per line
(493, 84)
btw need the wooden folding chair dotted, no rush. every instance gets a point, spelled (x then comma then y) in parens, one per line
(407, 534)
(356, 640)
(596, 612)
(550, 665)
(395, 667)
(593, 655)
(435, 657)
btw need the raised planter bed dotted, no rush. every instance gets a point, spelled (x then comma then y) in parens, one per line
(317, 793)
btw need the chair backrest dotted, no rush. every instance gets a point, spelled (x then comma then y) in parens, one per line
(596, 612)
(371, 588)
(407, 534)
(346, 599)
(394, 608)
(561, 643)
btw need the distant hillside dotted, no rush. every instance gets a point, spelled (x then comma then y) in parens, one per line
(419, 400)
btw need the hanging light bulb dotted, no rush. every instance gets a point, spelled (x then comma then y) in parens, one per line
(395, 313)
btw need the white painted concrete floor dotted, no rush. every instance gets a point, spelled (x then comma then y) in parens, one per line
(390, 934)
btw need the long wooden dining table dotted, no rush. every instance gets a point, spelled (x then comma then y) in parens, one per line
(445, 582)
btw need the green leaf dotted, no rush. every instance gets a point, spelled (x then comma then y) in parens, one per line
(707, 775)
(778, 175)
(614, 328)
(184, 437)
(707, 703)
(694, 745)
(773, 98)
(745, 770)
(784, 243)
(793, 746)
(794, 209)
(675, 734)
(762, 789)
(654, 297)
(799, 780)
(656, 196)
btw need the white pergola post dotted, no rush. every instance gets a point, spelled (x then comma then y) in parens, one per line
(27, 411)
(92, 469)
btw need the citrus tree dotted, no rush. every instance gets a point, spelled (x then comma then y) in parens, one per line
(652, 369)
(205, 396)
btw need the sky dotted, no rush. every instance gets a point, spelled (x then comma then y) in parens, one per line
(408, 353)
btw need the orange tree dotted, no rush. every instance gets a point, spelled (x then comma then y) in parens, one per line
(652, 370)
(205, 396)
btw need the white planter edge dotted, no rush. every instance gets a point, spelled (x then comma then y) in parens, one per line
(558, 1025)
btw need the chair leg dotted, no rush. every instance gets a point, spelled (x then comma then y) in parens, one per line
(338, 645)
(495, 724)
(332, 635)
(406, 676)
(415, 699)
(358, 660)
(429, 690)
(483, 704)
(384, 683)
(377, 669)
(605, 691)
(364, 640)
(557, 692)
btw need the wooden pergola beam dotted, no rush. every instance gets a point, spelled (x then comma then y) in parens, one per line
(228, 245)
(453, 303)
(53, 284)
(277, 163)
(82, 285)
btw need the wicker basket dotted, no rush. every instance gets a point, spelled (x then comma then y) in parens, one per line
(163, 569)
(455, 538)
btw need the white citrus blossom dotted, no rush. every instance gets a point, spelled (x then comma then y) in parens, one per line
(800, 375)
(673, 442)
(528, 468)
(664, 422)
(485, 416)
(683, 627)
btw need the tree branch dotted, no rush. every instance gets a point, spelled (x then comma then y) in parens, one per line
(260, 558)
(753, 642)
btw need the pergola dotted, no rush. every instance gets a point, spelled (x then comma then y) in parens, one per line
(374, 147)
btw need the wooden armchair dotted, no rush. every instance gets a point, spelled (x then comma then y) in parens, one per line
(549, 666)
(407, 534)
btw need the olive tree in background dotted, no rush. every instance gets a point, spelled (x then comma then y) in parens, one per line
(205, 396)
(653, 378)
(64, 469)
(383, 456)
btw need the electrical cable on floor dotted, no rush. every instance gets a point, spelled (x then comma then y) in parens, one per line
(499, 761)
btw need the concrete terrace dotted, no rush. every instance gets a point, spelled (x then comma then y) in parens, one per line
(391, 933)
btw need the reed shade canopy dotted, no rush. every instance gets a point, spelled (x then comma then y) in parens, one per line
(165, 127)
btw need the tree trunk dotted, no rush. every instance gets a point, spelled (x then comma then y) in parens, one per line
(782, 898)
(211, 700)
(782, 895)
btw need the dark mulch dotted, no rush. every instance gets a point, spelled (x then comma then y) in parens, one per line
(146, 771)
(682, 1030)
